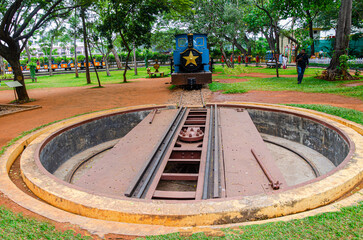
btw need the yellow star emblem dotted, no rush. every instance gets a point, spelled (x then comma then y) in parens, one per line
(191, 59)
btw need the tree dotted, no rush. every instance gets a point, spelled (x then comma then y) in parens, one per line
(49, 37)
(210, 17)
(133, 21)
(102, 40)
(75, 31)
(341, 42)
(19, 20)
(274, 18)
(85, 42)
(163, 39)
(305, 11)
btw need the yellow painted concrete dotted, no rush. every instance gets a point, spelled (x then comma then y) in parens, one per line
(197, 213)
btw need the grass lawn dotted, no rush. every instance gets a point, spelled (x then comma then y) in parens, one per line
(16, 226)
(346, 113)
(346, 224)
(309, 84)
(69, 80)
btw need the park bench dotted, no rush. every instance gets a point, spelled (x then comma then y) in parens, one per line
(156, 67)
(272, 64)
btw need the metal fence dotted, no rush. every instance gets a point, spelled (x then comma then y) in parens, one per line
(327, 61)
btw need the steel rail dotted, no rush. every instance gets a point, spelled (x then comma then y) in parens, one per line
(202, 98)
(311, 164)
(75, 168)
(216, 185)
(142, 181)
(180, 100)
(208, 173)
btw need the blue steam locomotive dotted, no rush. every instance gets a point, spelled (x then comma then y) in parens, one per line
(191, 60)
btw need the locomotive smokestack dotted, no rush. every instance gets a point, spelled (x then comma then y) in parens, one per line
(190, 40)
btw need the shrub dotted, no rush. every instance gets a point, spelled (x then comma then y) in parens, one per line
(357, 72)
(7, 76)
(237, 70)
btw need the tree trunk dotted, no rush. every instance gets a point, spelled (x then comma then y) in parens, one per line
(75, 56)
(94, 63)
(106, 63)
(85, 45)
(118, 62)
(238, 46)
(50, 57)
(18, 76)
(270, 41)
(311, 33)
(2, 66)
(135, 63)
(228, 62)
(277, 39)
(232, 55)
(27, 51)
(126, 64)
(128, 54)
(341, 41)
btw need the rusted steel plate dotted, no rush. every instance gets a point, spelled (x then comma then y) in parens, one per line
(185, 152)
(113, 173)
(174, 194)
(155, 182)
(189, 161)
(243, 174)
(195, 122)
(179, 176)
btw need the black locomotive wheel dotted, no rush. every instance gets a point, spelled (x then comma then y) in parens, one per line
(191, 61)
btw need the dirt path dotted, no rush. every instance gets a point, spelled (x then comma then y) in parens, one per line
(265, 75)
(60, 103)
(290, 97)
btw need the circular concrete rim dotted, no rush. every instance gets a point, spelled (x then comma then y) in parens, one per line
(236, 210)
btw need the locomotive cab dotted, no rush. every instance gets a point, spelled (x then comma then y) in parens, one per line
(191, 61)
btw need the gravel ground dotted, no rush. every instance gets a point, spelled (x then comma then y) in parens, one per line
(190, 97)
(6, 110)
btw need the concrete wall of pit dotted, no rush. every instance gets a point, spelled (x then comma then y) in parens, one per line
(68, 142)
(306, 131)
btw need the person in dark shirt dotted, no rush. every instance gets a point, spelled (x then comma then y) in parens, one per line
(302, 62)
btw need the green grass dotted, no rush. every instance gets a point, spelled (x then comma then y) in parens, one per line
(349, 114)
(69, 80)
(270, 71)
(16, 226)
(345, 224)
(309, 84)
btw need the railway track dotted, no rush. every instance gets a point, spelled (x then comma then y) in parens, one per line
(192, 97)
(203, 153)
(181, 161)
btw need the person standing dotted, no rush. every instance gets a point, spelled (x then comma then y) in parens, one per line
(302, 62)
(284, 62)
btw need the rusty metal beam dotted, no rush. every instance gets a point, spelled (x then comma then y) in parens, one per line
(275, 184)
(180, 176)
(174, 195)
